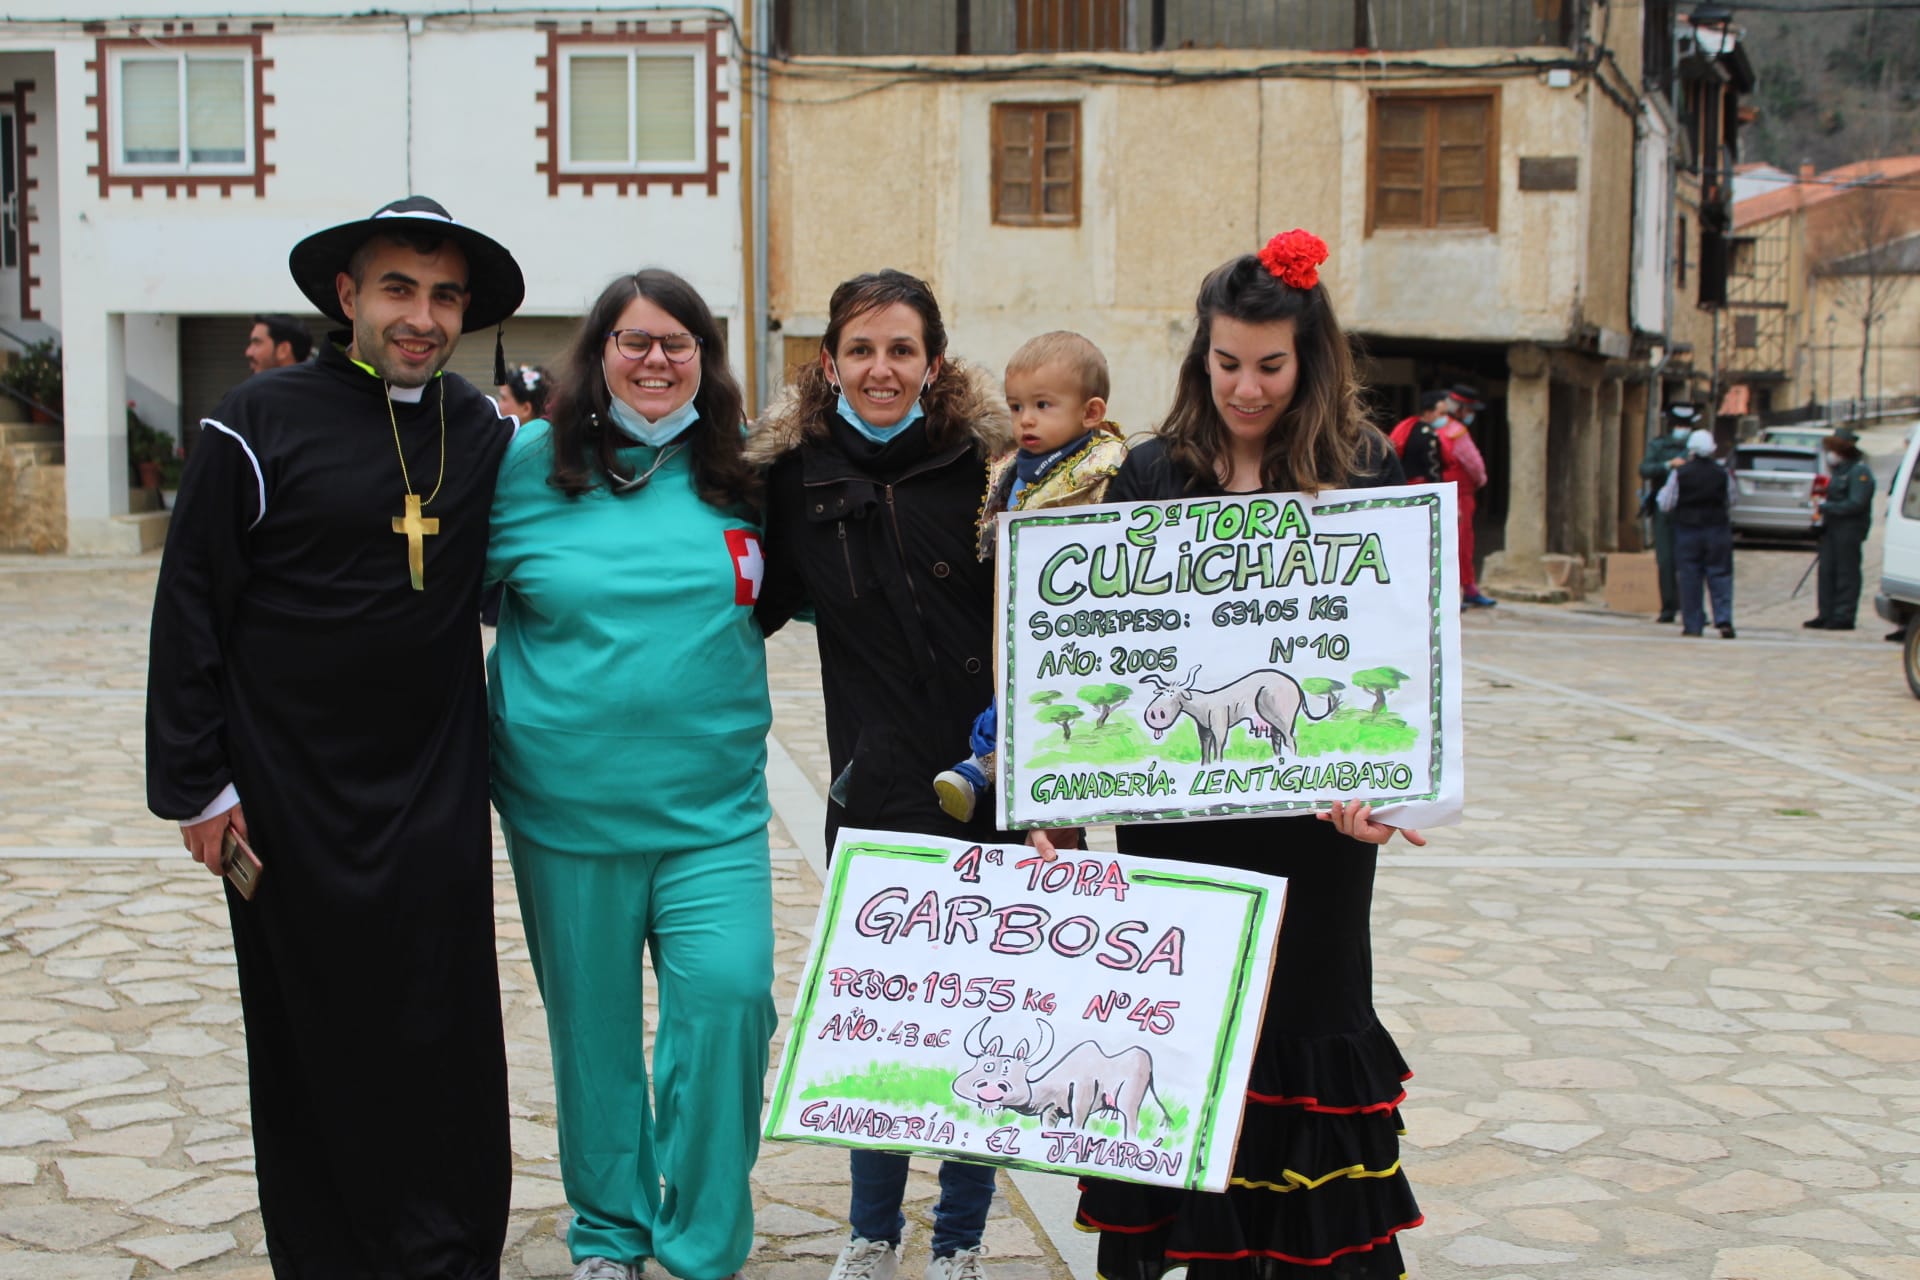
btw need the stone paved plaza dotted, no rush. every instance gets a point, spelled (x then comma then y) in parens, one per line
(1661, 991)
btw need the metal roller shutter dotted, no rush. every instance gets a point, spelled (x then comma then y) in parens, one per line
(213, 355)
(213, 361)
(534, 340)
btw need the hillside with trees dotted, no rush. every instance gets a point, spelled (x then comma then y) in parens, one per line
(1833, 88)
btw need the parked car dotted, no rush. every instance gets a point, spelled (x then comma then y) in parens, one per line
(1899, 598)
(1780, 487)
(1805, 437)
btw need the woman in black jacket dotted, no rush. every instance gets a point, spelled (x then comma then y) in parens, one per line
(877, 460)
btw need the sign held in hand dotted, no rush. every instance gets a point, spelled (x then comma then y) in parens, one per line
(1096, 1014)
(1231, 656)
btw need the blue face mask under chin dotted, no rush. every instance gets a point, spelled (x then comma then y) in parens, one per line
(879, 435)
(636, 426)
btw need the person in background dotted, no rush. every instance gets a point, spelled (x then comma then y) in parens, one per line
(277, 341)
(523, 397)
(1845, 516)
(525, 393)
(1664, 453)
(1468, 471)
(1436, 448)
(1698, 499)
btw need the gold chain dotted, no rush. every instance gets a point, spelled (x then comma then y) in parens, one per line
(405, 479)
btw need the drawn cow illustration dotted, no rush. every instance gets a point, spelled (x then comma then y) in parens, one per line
(1084, 1082)
(1269, 702)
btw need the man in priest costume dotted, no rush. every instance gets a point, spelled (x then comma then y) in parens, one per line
(315, 683)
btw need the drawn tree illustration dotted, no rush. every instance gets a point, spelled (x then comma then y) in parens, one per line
(1322, 686)
(1379, 681)
(1045, 696)
(1063, 715)
(1105, 697)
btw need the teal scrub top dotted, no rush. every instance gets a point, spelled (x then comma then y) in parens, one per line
(627, 687)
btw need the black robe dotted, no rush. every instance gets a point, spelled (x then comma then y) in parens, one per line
(292, 659)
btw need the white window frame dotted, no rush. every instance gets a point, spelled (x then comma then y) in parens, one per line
(694, 49)
(185, 166)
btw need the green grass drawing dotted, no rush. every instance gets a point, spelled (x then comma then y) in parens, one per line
(920, 1090)
(1354, 731)
(896, 1087)
(1350, 730)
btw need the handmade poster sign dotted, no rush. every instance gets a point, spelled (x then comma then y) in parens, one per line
(1227, 656)
(1096, 1014)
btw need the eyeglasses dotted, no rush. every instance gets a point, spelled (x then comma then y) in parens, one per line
(636, 344)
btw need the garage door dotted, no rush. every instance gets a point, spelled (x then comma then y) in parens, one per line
(213, 355)
(529, 340)
(213, 361)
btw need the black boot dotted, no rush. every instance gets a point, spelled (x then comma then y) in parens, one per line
(1815, 624)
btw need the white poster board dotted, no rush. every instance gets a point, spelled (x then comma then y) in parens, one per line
(1231, 656)
(1093, 1015)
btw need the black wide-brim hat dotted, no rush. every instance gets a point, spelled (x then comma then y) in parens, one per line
(494, 283)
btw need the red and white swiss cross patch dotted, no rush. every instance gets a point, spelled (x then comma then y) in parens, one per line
(743, 547)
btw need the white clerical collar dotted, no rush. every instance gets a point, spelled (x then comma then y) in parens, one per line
(405, 395)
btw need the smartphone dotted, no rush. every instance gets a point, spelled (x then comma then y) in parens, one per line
(239, 864)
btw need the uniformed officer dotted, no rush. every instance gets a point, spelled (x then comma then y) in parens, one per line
(1844, 518)
(1665, 452)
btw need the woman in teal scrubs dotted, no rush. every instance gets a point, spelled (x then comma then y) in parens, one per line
(629, 711)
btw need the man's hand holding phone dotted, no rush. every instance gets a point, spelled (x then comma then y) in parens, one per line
(204, 839)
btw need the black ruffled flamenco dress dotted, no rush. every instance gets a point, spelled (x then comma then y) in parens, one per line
(1317, 1190)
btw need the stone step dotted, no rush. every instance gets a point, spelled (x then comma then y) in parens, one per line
(20, 431)
(140, 501)
(146, 528)
(53, 454)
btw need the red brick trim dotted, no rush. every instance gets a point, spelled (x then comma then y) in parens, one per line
(630, 34)
(174, 184)
(24, 182)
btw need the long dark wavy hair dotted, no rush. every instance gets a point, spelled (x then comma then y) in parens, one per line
(1322, 438)
(943, 397)
(583, 436)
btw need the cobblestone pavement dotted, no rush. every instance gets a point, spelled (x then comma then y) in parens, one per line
(1661, 992)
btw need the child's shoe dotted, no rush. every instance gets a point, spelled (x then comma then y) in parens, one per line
(961, 788)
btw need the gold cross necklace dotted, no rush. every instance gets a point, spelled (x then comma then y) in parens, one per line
(411, 524)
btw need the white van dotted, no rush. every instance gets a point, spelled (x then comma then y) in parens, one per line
(1899, 598)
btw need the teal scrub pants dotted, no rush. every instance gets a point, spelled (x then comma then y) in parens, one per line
(707, 915)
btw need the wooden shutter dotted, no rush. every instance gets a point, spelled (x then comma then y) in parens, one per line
(1036, 164)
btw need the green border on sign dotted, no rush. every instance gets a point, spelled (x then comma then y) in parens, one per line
(1009, 720)
(836, 886)
(1258, 911)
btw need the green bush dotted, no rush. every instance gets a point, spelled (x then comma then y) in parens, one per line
(35, 373)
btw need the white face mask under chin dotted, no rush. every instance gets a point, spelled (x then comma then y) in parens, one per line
(879, 435)
(643, 430)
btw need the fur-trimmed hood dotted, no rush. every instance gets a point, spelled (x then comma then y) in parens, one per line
(976, 399)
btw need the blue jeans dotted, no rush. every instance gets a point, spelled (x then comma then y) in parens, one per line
(1704, 551)
(880, 1184)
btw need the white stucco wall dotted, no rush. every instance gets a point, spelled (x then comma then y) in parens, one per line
(349, 134)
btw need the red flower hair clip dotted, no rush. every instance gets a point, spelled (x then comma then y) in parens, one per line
(1294, 258)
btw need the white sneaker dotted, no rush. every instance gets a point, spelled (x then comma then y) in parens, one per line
(605, 1269)
(964, 1265)
(866, 1260)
